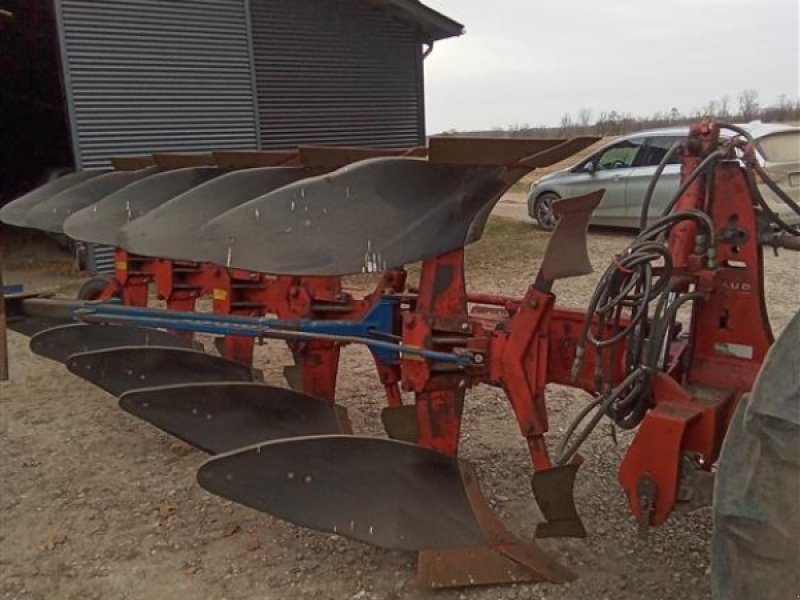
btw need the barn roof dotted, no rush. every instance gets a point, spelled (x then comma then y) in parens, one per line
(432, 24)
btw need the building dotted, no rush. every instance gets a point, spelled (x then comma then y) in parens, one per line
(84, 80)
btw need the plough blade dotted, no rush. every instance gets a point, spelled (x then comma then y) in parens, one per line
(16, 211)
(456, 150)
(50, 215)
(379, 213)
(400, 423)
(222, 416)
(567, 253)
(330, 158)
(371, 216)
(387, 493)
(133, 162)
(554, 492)
(120, 370)
(100, 222)
(31, 326)
(170, 230)
(59, 343)
(382, 492)
(247, 159)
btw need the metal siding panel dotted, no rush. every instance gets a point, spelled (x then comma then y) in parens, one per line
(420, 74)
(156, 75)
(335, 72)
(100, 259)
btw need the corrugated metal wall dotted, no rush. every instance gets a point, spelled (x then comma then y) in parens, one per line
(147, 75)
(336, 71)
(154, 75)
(183, 75)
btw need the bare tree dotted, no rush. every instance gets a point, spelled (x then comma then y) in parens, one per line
(585, 117)
(784, 109)
(711, 108)
(748, 104)
(567, 124)
(724, 106)
(600, 123)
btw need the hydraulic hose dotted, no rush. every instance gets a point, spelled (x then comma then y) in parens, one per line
(752, 166)
(569, 445)
(648, 195)
(704, 164)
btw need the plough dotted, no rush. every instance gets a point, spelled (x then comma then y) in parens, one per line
(287, 232)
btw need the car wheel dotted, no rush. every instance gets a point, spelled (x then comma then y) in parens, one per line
(543, 211)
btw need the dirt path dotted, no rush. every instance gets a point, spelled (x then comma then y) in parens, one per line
(98, 505)
(513, 205)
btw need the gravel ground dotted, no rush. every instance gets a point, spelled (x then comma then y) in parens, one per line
(96, 504)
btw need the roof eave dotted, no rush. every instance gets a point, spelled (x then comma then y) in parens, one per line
(433, 25)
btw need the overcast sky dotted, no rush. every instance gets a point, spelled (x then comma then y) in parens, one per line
(529, 61)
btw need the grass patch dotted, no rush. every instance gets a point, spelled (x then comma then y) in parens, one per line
(70, 290)
(498, 227)
(520, 187)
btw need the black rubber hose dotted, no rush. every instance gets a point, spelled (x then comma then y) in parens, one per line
(776, 189)
(632, 270)
(692, 213)
(704, 164)
(661, 327)
(565, 451)
(648, 195)
(629, 411)
(745, 134)
(634, 416)
(773, 216)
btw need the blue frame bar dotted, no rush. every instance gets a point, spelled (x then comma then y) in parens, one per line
(372, 330)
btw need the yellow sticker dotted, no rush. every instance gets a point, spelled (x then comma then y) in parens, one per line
(121, 265)
(220, 294)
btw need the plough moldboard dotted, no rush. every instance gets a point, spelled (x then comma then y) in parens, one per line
(269, 235)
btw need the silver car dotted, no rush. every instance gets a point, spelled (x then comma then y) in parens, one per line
(624, 169)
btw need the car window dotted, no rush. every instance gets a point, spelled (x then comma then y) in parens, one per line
(781, 147)
(655, 149)
(619, 156)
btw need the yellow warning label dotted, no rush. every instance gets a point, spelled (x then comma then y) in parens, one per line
(220, 294)
(121, 265)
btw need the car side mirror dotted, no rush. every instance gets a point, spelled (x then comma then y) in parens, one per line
(588, 167)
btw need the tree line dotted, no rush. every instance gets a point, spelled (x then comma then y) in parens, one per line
(744, 108)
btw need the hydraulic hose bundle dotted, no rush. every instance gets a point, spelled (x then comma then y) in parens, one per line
(641, 277)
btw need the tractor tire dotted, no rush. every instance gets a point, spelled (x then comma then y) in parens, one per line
(755, 546)
(92, 289)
